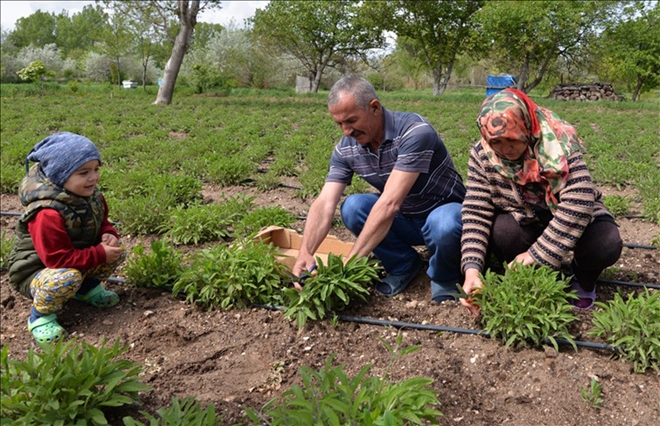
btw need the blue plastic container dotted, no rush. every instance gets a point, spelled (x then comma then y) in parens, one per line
(497, 83)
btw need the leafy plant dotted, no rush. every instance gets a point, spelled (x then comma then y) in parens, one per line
(233, 276)
(617, 205)
(6, 247)
(68, 383)
(186, 412)
(254, 221)
(593, 394)
(331, 289)
(330, 397)
(526, 306)
(632, 327)
(198, 224)
(160, 268)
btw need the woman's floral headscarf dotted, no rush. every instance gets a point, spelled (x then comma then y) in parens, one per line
(513, 115)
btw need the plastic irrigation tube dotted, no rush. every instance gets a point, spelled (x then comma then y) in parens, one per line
(417, 326)
(431, 327)
(631, 284)
(640, 246)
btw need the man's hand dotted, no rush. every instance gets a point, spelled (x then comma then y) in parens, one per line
(303, 265)
(472, 283)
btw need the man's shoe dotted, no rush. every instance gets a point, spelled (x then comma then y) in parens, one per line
(391, 285)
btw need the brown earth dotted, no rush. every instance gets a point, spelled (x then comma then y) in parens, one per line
(239, 358)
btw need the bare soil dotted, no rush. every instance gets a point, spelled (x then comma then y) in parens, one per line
(239, 358)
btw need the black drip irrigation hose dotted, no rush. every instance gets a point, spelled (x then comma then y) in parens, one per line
(631, 284)
(441, 328)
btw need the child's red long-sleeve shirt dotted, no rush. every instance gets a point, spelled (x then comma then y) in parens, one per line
(54, 246)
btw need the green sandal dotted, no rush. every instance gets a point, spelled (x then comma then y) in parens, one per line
(46, 329)
(99, 297)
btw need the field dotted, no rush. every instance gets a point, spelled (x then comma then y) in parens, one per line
(272, 148)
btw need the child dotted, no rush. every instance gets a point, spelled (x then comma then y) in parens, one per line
(65, 244)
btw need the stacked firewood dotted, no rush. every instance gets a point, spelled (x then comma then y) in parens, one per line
(584, 92)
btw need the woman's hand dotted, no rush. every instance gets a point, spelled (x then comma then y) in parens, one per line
(472, 284)
(525, 258)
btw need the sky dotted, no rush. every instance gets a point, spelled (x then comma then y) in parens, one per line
(11, 11)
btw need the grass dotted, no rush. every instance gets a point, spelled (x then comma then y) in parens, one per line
(233, 137)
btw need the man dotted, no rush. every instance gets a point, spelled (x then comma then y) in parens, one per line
(419, 203)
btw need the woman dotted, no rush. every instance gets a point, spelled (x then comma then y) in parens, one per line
(530, 198)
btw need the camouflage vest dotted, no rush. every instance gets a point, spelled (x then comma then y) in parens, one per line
(82, 216)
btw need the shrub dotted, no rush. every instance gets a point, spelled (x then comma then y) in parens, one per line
(254, 221)
(187, 412)
(331, 289)
(68, 383)
(198, 224)
(6, 247)
(632, 327)
(139, 215)
(526, 306)
(161, 268)
(331, 397)
(232, 276)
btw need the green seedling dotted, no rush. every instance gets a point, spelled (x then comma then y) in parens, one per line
(593, 394)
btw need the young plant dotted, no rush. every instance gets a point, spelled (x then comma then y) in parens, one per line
(233, 276)
(632, 327)
(68, 383)
(526, 306)
(254, 221)
(592, 395)
(6, 247)
(331, 289)
(198, 224)
(187, 412)
(160, 268)
(617, 205)
(331, 397)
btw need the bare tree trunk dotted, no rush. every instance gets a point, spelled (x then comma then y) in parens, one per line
(638, 87)
(445, 80)
(524, 69)
(188, 17)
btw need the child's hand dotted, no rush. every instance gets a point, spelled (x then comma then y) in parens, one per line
(112, 253)
(110, 240)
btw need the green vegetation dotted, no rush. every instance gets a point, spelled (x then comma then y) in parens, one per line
(68, 383)
(331, 289)
(617, 205)
(160, 268)
(331, 397)
(632, 327)
(593, 395)
(187, 412)
(526, 306)
(6, 247)
(232, 276)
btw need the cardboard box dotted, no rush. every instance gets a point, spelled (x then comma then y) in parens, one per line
(288, 244)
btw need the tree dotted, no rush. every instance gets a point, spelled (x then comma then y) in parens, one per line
(117, 42)
(631, 48)
(319, 34)
(526, 38)
(77, 34)
(163, 15)
(37, 29)
(435, 32)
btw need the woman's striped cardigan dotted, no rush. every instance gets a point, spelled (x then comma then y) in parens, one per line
(489, 192)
